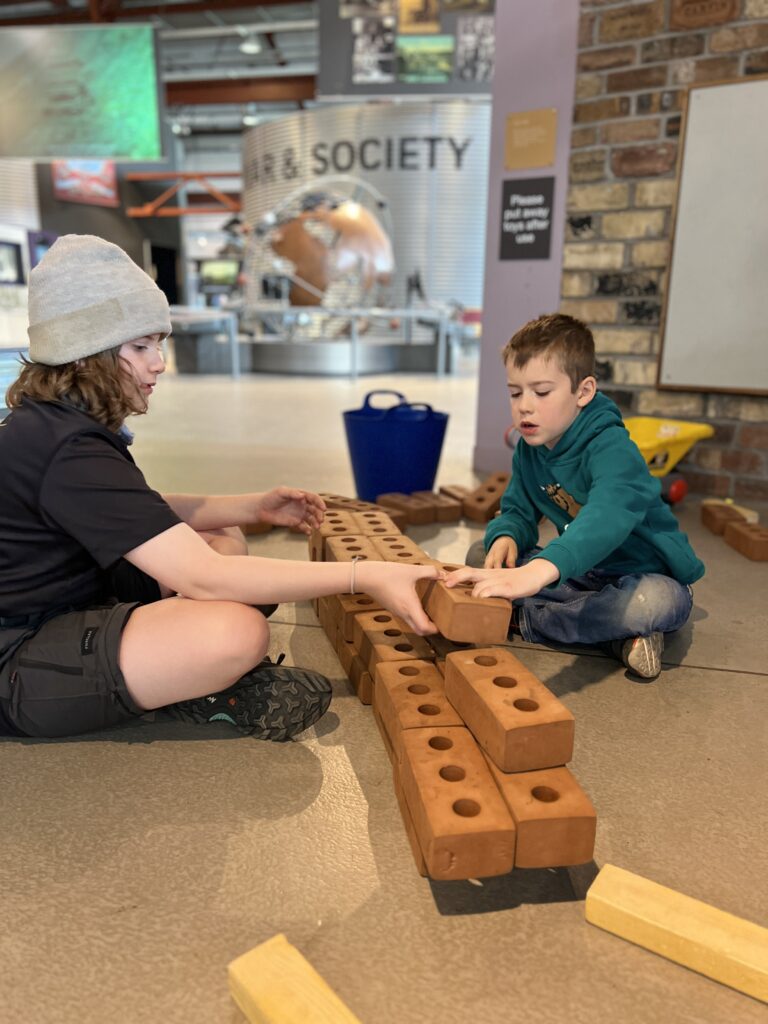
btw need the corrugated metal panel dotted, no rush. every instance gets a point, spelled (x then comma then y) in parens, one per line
(18, 194)
(430, 161)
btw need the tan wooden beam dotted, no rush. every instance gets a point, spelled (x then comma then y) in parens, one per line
(290, 88)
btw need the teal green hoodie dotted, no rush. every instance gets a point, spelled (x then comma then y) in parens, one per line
(596, 488)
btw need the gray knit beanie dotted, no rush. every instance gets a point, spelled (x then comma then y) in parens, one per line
(86, 296)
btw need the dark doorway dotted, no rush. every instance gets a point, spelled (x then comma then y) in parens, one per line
(165, 261)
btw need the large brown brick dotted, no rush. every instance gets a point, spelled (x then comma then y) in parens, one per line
(637, 78)
(576, 284)
(397, 548)
(756, 9)
(587, 165)
(738, 37)
(588, 86)
(583, 137)
(593, 255)
(656, 193)
(634, 22)
(749, 539)
(517, 721)
(482, 504)
(754, 436)
(686, 14)
(671, 48)
(464, 828)
(601, 110)
(631, 131)
(644, 161)
(633, 224)
(411, 695)
(632, 340)
(611, 57)
(610, 196)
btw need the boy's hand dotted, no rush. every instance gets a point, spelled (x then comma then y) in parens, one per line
(502, 554)
(509, 583)
(287, 506)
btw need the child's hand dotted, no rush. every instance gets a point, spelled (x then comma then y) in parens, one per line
(502, 554)
(509, 583)
(287, 506)
(395, 587)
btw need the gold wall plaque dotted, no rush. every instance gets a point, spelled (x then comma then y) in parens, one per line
(530, 139)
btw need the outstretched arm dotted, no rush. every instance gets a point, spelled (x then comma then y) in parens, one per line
(510, 583)
(179, 559)
(282, 506)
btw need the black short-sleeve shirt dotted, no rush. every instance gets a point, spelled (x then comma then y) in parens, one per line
(72, 503)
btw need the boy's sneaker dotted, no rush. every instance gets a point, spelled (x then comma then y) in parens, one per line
(271, 702)
(641, 654)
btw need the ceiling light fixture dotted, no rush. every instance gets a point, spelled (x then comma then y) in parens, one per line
(250, 44)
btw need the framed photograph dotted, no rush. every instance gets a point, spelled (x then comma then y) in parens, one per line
(373, 50)
(93, 182)
(475, 48)
(424, 58)
(418, 16)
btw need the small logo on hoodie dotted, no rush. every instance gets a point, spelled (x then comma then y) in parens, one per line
(563, 499)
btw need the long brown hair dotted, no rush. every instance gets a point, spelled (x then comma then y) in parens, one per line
(102, 385)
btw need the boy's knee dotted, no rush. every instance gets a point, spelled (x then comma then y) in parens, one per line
(657, 603)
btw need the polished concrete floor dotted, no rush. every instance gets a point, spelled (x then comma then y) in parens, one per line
(134, 865)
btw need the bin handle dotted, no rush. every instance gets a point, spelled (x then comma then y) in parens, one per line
(383, 391)
(428, 410)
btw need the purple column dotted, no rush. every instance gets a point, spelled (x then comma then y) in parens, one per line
(535, 68)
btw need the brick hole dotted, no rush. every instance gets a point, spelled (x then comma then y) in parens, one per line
(524, 704)
(485, 660)
(380, 529)
(451, 568)
(397, 547)
(440, 743)
(364, 601)
(452, 773)
(403, 647)
(354, 547)
(410, 670)
(506, 681)
(382, 618)
(467, 808)
(403, 554)
(393, 632)
(418, 688)
(428, 709)
(339, 529)
(546, 794)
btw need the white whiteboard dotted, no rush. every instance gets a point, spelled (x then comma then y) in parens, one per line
(716, 325)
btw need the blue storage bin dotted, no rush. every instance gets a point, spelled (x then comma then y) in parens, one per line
(396, 448)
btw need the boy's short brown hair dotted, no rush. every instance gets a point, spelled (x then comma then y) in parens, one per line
(558, 336)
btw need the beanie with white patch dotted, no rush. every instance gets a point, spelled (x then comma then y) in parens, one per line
(87, 295)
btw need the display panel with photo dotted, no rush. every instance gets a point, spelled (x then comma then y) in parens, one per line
(85, 181)
(373, 50)
(418, 16)
(424, 58)
(474, 49)
(364, 8)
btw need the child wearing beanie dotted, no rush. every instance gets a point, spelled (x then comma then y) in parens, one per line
(93, 628)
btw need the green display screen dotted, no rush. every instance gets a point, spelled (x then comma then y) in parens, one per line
(80, 91)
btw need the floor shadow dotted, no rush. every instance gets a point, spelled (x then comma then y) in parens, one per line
(506, 892)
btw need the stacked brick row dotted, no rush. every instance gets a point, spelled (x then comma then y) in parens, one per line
(635, 63)
(749, 539)
(478, 745)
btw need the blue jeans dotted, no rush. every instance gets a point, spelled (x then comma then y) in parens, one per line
(596, 608)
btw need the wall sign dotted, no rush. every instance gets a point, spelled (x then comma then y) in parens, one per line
(526, 218)
(530, 139)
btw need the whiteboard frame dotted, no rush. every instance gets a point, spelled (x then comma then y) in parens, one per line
(678, 385)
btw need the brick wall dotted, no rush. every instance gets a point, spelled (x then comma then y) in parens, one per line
(635, 62)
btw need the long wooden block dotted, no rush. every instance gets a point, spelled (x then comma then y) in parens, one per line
(274, 984)
(399, 548)
(447, 510)
(410, 830)
(463, 826)
(418, 512)
(349, 606)
(688, 932)
(749, 539)
(456, 492)
(555, 819)
(411, 695)
(340, 502)
(463, 618)
(347, 547)
(381, 636)
(513, 716)
(334, 524)
(482, 504)
(717, 517)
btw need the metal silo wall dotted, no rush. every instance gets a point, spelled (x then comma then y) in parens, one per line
(438, 212)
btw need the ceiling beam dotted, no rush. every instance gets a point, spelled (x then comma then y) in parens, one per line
(106, 11)
(243, 90)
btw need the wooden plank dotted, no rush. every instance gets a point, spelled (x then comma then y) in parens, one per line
(713, 942)
(274, 984)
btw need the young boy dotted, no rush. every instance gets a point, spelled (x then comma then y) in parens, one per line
(619, 572)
